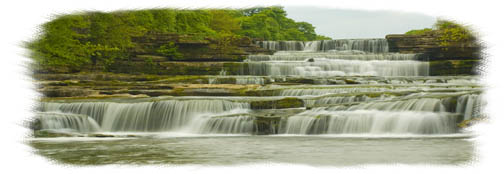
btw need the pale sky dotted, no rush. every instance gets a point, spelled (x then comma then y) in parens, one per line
(344, 24)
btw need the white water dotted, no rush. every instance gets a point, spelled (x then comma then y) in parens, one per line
(329, 67)
(370, 122)
(430, 105)
(146, 116)
(224, 125)
(66, 121)
(368, 45)
(344, 57)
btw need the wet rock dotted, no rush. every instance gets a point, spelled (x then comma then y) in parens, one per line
(100, 135)
(51, 134)
(289, 102)
(453, 67)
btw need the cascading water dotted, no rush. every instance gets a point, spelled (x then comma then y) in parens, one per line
(356, 87)
(326, 67)
(368, 45)
(370, 122)
(66, 121)
(237, 124)
(345, 57)
(416, 113)
(378, 116)
(145, 116)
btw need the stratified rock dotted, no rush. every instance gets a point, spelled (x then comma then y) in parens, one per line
(278, 104)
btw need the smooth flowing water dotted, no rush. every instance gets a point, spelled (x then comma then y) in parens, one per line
(228, 150)
(360, 105)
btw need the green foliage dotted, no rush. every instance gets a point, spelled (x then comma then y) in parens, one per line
(321, 37)
(272, 24)
(448, 33)
(452, 33)
(169, 50)
(80, 41)
(225, 43)
(418, 32)
(153, 68)
(223, 21)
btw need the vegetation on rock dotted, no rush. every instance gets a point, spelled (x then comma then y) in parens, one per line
(418, 32)
(288, 102)
(448, 33)
(97, 39)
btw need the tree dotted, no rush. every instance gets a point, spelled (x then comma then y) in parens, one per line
(59, 44)
(222, 21)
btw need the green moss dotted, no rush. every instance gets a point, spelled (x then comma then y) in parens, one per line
(289, 102)
(254, 92)
(453, 67)
(49, 134)
(418, 32)
(351, 82)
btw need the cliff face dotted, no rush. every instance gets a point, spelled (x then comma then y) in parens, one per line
(193, 48)
(430, 45)
(454, 59)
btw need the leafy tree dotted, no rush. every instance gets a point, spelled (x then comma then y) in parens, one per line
(224, 22)
(78, 41)
(59, 44)
(321, 37)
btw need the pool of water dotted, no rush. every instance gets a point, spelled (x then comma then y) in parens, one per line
(230, 150)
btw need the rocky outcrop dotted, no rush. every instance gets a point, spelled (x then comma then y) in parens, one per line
(195, 48)
(277, 104)
(429, 45)
(453, 59)
(453, 67)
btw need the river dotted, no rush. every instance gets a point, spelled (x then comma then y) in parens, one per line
(365, 106)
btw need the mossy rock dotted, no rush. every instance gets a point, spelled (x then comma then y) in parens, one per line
(100, 135)
(50, 134)
(289, 102)
(453, 67)
(351, 82)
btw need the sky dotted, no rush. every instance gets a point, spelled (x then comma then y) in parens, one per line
(345, 23)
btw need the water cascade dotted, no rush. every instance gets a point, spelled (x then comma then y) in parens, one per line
(145, 116)
(368, 45)
(348, 86)
(370, 122)
(344, 57)
(66, 121)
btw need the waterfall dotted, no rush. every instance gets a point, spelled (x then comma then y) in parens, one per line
(225, 125)
(242, 80)
(368, 91)
(66, 122)
(370, 122)
(323, 91)
(339, 68)
(368, 45)
(422, 104)
(371, 116)
(282, 45)
(469, 106)
(93, 109)
(145, 116)
(342, 55)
